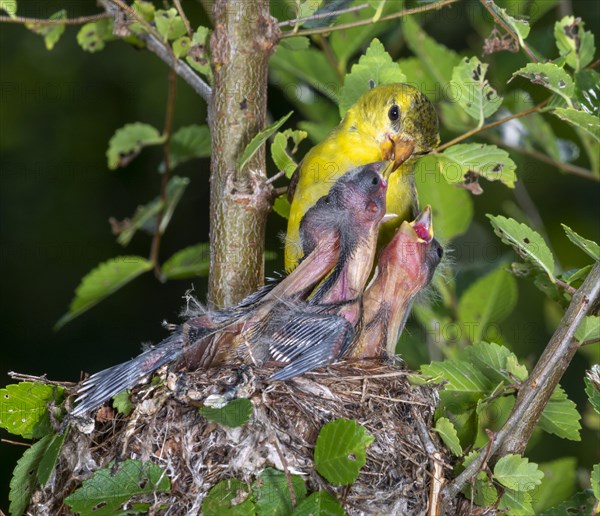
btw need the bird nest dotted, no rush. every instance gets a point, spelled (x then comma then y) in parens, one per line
(167, 429)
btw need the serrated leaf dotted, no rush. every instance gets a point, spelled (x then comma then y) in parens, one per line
(462, 163)
(128, 141)
(93, 36)
(580, 503)
(589, 328)
(279, 153)
(560, 416)
(9, 7)
(474, 93)
(528, 244)
(445, 428)
(24, 477)
(198, 57)
(103, 281)
(452, 207)
(258, 140)
(461, 378)
(374, 68)
(169, 24)
(592, 387)
(50, 33)
(341, 451)
(519, 26)
(558, 483)
(549, 76)
(105, 492)
(496, 361)
(24, 408)
(231, 497)
(574, 42)
(487, 301)
(482, 492)
(188, 262)
(587, 91)
(517, 473)
(595, 481)
(584, 121)
(516, 503)
(272, 492)
(282, 207)
(181, 46)
(320, 503)
(122, 404)
(48, 461)
(236, 413)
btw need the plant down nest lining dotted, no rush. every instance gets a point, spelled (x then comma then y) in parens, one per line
(167, 429)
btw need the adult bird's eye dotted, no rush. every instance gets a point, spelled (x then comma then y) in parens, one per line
(394, 113)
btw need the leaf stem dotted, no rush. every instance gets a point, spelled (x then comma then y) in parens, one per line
(81, 20)
(186, 22)
(314, 17)
(369, 21)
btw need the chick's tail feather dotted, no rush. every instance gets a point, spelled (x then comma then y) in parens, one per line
(105, 384)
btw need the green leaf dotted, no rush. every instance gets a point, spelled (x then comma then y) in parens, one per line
(93, 36)
(181, 46)
(103, 281)
(487, 301)
(282, 207)
(475, 95)
(197, 56)
(231, 497)
(236, 413)
(587, 91)
(24, 478)
(589, 328)
(445, 428)
(297, 43)
(272, 492)
(175, 189)
(580, 503)
(461, 378)
(258, 140)
(279, 153)
(584, 121)
(592, 387)
(574, 42)
(24, 408)
(528, 244)
(188, 262)
(595, 481)
(50, 33)
(517, 473)
(516, 503)
(438, 60)
(169, 24)
(341, 451)
(519, 26)
(465, 162)
(374, 68)
(549, 76)
(48, 461)
(452, 207)
(9, 6)
(558, 483)
(122, 404)
(560, 417)
(482, 491)
(105, 492)
(320, 503)
(128, 141)
(497, 362)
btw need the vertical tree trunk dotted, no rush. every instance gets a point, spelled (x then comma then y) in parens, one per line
(244, 37)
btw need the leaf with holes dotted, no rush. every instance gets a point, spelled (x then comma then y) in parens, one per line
(109, 488)
(574, 43)
(128, 141)
(341, 451)
(258, 140)
(528, 244)
(549, 76)
(93, 36)
(475, 95)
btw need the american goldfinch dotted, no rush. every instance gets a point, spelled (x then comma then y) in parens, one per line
(390, 122)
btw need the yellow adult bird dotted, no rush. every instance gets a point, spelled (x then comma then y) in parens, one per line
(389, 122)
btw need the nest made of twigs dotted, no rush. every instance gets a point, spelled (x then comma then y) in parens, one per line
(167, 429)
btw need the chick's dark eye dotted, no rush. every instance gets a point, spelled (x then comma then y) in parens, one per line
(375, 180)
(440, 252)
(394, 113)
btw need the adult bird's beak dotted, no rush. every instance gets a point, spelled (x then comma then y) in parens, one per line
(397, 149)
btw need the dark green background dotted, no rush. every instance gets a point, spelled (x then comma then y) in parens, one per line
(58, 110)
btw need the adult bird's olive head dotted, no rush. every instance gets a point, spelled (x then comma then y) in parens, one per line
(400, 118)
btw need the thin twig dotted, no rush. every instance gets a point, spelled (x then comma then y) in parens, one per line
(369, 21)
(331, 14)
(536, 392)
(81, 20)
(491, 125)
(155, 247)
(38, 379)
(568, 288)
(8, 441)
(589, 342)
(488, 5)
(186, 22)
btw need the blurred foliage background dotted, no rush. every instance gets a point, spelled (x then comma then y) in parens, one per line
(58, 110)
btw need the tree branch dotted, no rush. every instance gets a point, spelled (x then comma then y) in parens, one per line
(536, 391)
(68, 21)
(330, 14)
(244, 37)
(369, 21)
